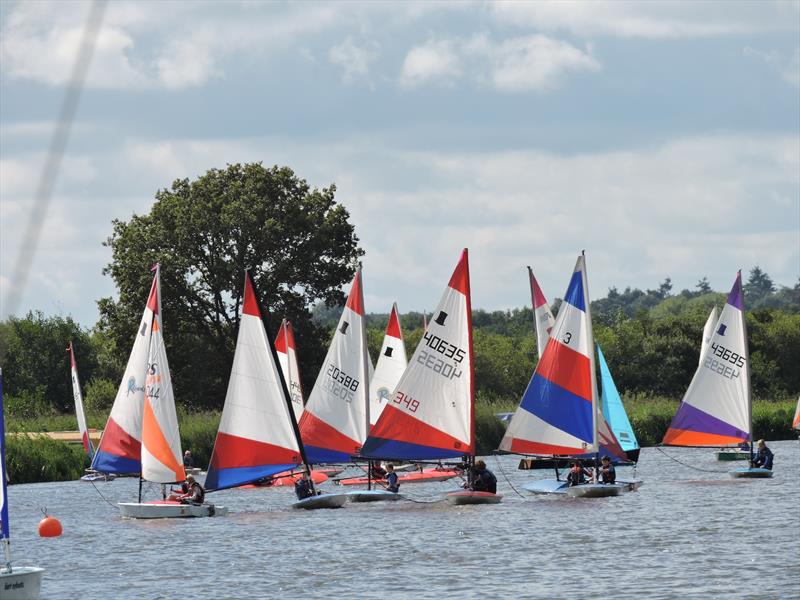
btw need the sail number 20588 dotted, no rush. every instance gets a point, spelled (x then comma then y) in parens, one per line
(340, 383)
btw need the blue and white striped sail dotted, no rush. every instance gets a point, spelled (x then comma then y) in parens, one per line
(613, 410)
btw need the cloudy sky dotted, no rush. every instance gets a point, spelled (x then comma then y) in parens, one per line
(664, 138)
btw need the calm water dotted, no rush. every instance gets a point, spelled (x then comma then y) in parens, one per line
(686, 533)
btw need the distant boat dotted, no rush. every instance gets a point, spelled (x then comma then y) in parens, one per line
(258, 435)
(796, 420)
(391, 365)
(558, 414)
(614, 411)
(20, 583)
(708, 332)
(543, 318)
(161, 456)
(717, 407)
(287, 358)
(431, 415)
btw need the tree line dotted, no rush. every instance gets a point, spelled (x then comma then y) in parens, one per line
(300, 248)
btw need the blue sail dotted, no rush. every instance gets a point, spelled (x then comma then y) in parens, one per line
(613, 410)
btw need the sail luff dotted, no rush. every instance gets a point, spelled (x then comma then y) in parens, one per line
(590, 337)
(80, 414)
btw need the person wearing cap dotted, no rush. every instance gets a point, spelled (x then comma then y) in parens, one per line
(763, 456)
(482, 479)
(578, 474)
(196, 493)
(608, 474)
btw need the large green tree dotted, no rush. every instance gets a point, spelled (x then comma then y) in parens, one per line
(297, 242)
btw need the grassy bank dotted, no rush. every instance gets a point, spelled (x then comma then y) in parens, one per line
(43, 459)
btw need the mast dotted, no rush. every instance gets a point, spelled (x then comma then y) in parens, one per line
(4, 529)
(365, 353)
(749, 391)
(592, 350)
(471, 359)
(284, 387)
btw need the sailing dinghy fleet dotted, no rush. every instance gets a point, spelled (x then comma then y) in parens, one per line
(419, 411)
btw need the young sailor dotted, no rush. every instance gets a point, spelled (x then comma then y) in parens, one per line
(608, 474)
(577, 474)
(763, 456)
(483, 480)
(303, 487)
(392, 481)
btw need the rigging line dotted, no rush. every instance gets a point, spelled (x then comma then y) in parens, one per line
(687, 464)
(101, 495)
(55, 154)
(508, 481)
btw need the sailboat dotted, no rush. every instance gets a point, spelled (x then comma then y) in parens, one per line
(558, 413)
(258, 435)
(616, 439)
(717, 407)
(16, 583)
(88, 447)
(431, 413)
(161, 455)
(796, 420)
(287, 358)
(391, 365)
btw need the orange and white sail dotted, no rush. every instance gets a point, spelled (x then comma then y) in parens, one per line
(162, 458)
(542, 315)
(796, 420)
(287, 357)
(79, 412)
(392, 363)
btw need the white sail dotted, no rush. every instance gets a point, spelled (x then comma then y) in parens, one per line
(542, 315)
(287, 357)
(334, 423)
(162, 458)
(392, 363)
(708, 332)
(78, 397)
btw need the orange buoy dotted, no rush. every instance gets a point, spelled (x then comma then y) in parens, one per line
(50, 527)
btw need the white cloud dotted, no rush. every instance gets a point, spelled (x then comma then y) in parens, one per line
(435, 60)
(787, 67)
(519, 64)
(652, 19)
(353, 59)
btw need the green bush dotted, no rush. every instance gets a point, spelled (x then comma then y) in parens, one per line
(99, 395)
(31, 460)
(27, 404)
(198, 432)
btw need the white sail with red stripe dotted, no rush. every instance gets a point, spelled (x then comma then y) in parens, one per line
(256, 436)
(334, 424)
(120, 447)
(392, 363)
(431, 413)
(162, 458)
(79, 412)
(287, 358)
(542, 315)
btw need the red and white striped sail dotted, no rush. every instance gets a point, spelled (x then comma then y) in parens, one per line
(256, 436)
(430, 414)
(391, 365)
(162, 458)
(287, 357)
(542, 315)
(708, 332)
(79, 412)
(120, 447)
(334, 423)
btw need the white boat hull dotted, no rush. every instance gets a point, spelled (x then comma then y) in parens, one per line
(467, 497)
(22, 583)
(321, 501)
(595, 490)
(94, 476)
(585, 490)
(751, 473)
(169, 510)
(372, 496)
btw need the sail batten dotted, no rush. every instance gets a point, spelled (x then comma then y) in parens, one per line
(256, 436)
(430, 413)
(557, 413)
(715, 411)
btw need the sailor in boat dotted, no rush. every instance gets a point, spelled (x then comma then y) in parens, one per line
(196, 494)
(482, 479)
(392, 481)
(376, 471)
(608, 474)
(303, 487)
(178, 494)
(744, 446)
(188, 461)
(763, 456)
(578, 474)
